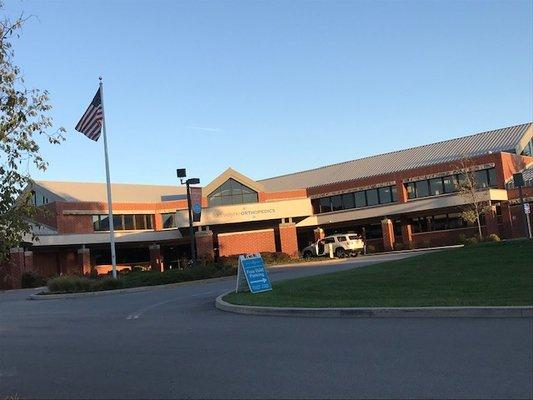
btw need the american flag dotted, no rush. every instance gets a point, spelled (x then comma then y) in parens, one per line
(91, 122)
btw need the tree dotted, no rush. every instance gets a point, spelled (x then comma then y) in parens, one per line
(24, 121)
(468, 189)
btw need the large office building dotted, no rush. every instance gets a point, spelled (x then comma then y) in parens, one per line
(402, 199)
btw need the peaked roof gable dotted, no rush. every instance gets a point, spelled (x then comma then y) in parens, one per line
(230, 173)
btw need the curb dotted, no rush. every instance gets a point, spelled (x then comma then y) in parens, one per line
(38, 296)
(378, 312)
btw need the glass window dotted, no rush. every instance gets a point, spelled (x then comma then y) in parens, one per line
(329, 240)
(394, 193)
(128, 222)
(336, 203)
(360, 199)
(232, 192)
(341, 238)
(117, 223)
(96, 223)
(455, 221)
(168, 220)
(482, 179)
(324, 204)
(492, 177)
(149, 223)
(139, 222)
(411, 191)
(348, 201)
(450, 184)
(435, 186)
(385, 195)
(422, 189)
(372, 197)
(104, 222)
(439, 222)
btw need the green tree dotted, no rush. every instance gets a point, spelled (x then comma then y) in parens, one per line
(24, 121)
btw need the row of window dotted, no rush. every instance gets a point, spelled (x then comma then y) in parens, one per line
(123, 222)
(484, 178)
(362, 198)
(441, 222)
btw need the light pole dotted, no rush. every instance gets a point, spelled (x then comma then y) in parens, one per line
(182, 173)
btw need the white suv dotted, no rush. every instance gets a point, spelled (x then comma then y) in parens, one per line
(343, 244)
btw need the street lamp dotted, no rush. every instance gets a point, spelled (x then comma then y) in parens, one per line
(182, 173)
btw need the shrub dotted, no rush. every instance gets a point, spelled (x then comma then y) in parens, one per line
(275, 258)
(493, 238)
(75, 284)
(69, 284)
(32, 280)
(462, 238)
(370, 248)
(398, 246)
(470, 241)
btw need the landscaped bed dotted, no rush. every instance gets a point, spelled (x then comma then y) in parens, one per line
(488, 274)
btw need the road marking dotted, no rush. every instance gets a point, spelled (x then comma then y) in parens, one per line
(143, 310)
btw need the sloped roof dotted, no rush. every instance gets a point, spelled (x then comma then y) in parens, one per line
(504, 139)
(121, 192)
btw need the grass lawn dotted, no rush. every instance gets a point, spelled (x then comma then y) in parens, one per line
(488, 274)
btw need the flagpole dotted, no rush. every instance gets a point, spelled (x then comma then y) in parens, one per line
(109, 201)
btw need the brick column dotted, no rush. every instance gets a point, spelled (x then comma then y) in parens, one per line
(491, 222)
(204, 245)
(84, 260)
(319, 234)
(28, 261)
(407, 233)
(289, 239)
(388, 234)
(155, 258)
(16, 264)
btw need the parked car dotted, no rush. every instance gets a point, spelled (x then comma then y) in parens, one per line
(348, 244)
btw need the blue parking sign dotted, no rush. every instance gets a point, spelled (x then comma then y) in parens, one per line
(252, 268)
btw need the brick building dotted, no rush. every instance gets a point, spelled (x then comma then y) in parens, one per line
(406, 198)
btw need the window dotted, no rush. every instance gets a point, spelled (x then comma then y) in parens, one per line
(118, 223)
(411, 190)
(168, 220)
(482, 179)
(129, 223)
(104, 222)
(450, 184)
(435, 186)
(96, 223)
(492, 177)
(232, 192)
(372, 197)
(348, 201)
(394, 193)
(360, 199)
(385, 195)
(439, 222)
(329, 240)
(341, 238)
(336, 203)
(422, 189)
(324, 204)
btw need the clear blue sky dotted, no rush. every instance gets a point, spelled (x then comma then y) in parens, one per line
(271, 87)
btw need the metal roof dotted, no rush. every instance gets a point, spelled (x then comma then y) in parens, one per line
(122, 192)
(504, 139)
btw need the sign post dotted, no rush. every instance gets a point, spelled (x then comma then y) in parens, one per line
(252, 274)
(527, 211)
